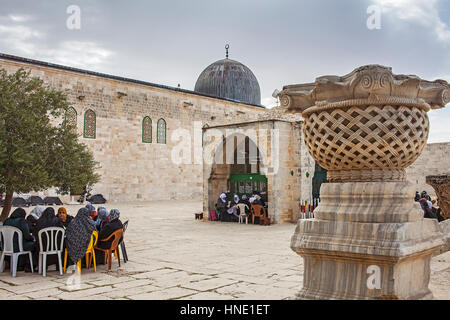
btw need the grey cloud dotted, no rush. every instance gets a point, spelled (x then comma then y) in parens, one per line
(282, 42)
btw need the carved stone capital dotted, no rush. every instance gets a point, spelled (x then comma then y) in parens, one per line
(364, 86)
(368, 125)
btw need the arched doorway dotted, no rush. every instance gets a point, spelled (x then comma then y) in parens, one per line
(239, 172)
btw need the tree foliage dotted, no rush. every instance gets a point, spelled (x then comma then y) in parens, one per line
(38, 149)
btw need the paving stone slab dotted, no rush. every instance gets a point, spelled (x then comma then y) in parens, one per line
(172, 256)
(208, 296)
(171, 293)
(209, 284)
(125, 293)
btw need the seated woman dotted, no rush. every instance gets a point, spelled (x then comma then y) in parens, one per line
(78, 236)
(256, 199)
(64, 217)
(417, 196)
(17, 219)
(245, 201)
(222, 207)
(103, 218)
(436, 211)
(92, 211)
(427, 212)
(234, 210)
(264, 198)
(34, 216)
(108, 229)
(48, 219)
(236, 200)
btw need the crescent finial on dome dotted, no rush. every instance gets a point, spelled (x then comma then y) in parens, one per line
(227, 46)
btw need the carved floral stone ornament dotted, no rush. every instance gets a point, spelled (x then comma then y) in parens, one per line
(368, 125)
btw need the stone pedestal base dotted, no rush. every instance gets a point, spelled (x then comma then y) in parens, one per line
(367, 241)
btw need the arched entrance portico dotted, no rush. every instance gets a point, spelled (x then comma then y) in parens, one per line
(238, 167)
(255, 156)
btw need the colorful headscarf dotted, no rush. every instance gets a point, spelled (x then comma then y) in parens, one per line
(223, 197)
(78, 235)
(63, 211)
(91, 210)
(36, 212)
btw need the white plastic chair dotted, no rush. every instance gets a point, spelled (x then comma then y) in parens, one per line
(242, 214)
(7, 233)
(52, 247)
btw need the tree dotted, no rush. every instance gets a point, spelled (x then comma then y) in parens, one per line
(74, 165)
(38, 148)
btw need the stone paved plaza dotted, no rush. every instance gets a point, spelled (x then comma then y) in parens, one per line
(174, 256)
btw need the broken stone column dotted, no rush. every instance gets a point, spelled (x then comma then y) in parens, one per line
(441, 185)
(368, 239)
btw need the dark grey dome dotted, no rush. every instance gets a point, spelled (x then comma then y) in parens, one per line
(231, 80)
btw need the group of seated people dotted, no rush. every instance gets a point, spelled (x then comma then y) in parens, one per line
(78, 232)
(227, 208)
(427, 205)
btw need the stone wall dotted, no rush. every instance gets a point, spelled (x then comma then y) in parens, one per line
(287, 184)
(434, 160)
(132, 170)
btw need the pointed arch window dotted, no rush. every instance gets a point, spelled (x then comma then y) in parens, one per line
(71, 117)
(161, 134)
(90, 124)
(147, 130)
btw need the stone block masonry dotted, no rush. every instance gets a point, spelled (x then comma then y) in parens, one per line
(434, 160)
(132, 170)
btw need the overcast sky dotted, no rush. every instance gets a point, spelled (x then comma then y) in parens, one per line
(283, 42)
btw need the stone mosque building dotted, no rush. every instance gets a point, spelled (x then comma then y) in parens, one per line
(134, 129)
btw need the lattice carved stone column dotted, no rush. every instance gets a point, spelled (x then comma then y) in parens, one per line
(368, 239)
